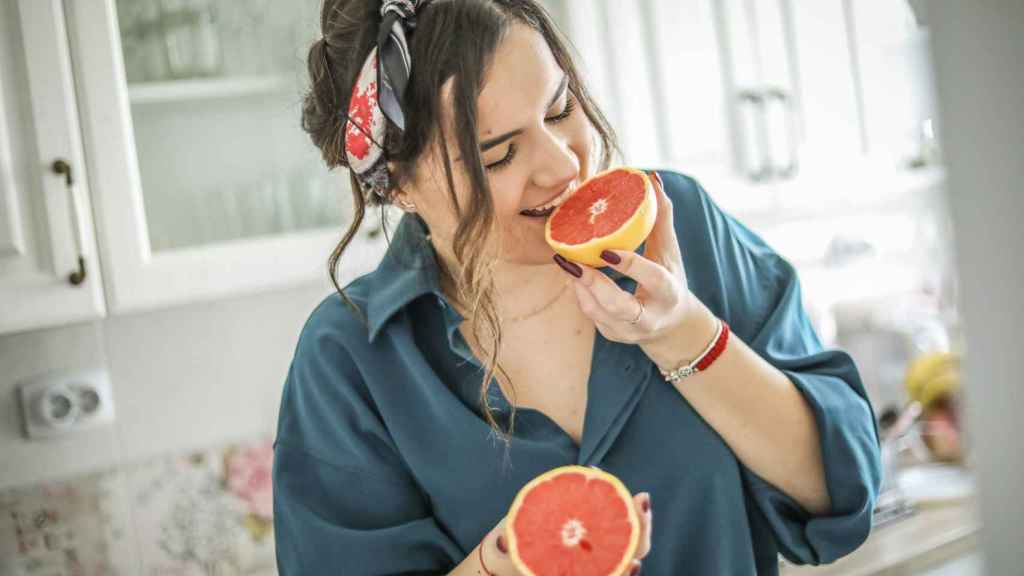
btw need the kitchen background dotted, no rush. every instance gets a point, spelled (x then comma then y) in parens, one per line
(165, 226)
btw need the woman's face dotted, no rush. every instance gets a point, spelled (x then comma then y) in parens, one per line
(535, 144)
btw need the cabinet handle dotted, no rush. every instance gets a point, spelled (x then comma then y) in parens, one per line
(758, 123)
(788, 109)
(63, 168)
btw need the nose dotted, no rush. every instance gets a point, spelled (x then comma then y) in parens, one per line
(557, 165)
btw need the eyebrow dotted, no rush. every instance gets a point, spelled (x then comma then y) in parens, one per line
(492, 142)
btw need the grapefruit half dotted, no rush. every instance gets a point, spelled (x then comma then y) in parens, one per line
(573, 521)
(612, 210)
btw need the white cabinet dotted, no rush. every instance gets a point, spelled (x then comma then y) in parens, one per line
(753, 92)
(789, 79)
(49, 273)
(760, 82)
(655, 68)
(828, 92)
(899, 101)
(203, 180)
(190, 177)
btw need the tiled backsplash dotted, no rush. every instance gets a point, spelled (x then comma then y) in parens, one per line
(203, 513)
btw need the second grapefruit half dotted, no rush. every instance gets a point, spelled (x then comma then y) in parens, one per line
(612, 210)
(573, 521)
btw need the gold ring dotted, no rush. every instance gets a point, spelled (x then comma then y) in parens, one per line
(638, 314)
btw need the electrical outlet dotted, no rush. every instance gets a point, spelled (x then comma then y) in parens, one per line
(61, 402)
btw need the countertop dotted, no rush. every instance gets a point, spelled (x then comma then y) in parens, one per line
(934, 535)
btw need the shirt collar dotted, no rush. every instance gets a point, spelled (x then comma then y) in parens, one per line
(407, 271)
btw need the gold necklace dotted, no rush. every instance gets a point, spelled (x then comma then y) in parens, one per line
(542, 308)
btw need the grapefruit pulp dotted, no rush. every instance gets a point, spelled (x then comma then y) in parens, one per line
(612, 210)
(573, 521)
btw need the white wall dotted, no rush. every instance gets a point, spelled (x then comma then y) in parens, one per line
(183, 378)
(978, 51)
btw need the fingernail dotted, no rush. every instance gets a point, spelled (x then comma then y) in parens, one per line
(654, 174)
(646, 505)
(570, 267)
(501, 545)
(610, 257)
(635, 570)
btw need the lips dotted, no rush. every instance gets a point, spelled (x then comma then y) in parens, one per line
(550, 205)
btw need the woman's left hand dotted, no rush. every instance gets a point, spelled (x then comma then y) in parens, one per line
(661, 285)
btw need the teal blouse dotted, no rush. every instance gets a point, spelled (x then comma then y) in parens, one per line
(384, 463)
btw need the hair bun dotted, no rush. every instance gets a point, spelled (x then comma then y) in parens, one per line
(348, 28)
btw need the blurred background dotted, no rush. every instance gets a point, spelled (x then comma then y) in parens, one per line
(165, 225)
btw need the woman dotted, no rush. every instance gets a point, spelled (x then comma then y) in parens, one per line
(385, 460)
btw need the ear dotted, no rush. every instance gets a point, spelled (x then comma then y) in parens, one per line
(402, 199)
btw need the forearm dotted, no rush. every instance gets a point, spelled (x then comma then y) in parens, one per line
(753, 406)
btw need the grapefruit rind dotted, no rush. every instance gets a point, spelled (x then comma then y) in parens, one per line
(590, 473)
(628, 237)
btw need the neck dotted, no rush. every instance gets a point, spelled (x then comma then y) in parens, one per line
(520, 288)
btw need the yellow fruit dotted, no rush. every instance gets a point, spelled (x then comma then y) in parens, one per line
(931, 376)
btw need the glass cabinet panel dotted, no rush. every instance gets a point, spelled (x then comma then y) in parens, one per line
(215, 90)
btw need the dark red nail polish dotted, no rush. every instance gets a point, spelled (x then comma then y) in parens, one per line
(653, 174)
(610, 257)
(501, 545)
(646, 504)
(635, 570)
(570, 267)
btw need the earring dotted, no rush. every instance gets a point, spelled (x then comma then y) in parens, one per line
(407, 205)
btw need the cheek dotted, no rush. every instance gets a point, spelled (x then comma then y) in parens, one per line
(583, 139)
(507, 194)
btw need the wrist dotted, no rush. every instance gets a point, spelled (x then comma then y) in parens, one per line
(687, 340)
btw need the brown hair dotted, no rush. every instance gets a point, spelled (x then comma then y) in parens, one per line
(453, 39)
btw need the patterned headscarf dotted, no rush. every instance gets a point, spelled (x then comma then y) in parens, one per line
(377, 95)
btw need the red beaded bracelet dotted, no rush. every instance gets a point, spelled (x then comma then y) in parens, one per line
(705, 359)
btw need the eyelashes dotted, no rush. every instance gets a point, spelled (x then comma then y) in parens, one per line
(570, 105)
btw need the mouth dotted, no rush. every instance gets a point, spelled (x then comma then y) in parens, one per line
(544, 210)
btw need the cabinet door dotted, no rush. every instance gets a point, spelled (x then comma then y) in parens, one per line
(45, 224)
(204, 182)
(829, 108)
(655, 70)
(897, 83)
(690, 104)
(791, 77)
(761, 84)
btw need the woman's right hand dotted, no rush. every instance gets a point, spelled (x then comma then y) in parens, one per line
(498, 562)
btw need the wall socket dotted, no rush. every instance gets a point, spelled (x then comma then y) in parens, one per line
(58, 403)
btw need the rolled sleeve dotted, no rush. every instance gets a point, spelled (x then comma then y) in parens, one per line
(849, 452)
(344, 501)
(765, 309)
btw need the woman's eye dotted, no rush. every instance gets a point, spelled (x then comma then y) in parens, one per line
(570, 105)
(504, 161)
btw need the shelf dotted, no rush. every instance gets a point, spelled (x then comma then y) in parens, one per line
(934, 536)
(207, 88)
